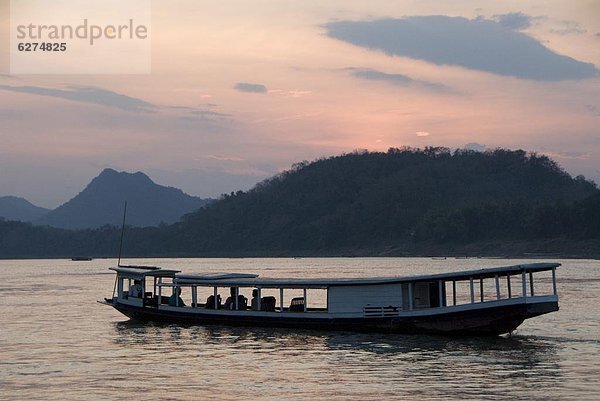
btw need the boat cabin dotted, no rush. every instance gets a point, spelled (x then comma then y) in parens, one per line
(128, 279)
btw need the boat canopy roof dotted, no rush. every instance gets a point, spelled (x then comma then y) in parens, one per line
(215, 276)
(252, 280)
(488, 272)
(140, 272)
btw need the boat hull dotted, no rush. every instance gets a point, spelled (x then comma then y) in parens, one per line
(483, 321)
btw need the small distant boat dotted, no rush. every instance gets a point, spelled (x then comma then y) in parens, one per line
(81, 258)
(476, 302)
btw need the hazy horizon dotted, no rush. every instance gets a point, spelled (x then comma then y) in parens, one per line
(242, 90)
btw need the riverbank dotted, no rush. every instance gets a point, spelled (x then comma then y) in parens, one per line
(547, 249)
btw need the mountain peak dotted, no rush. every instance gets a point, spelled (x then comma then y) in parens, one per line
(10, 198)
(15, 208)
(108, 172)
(109, 176)
(101, 202)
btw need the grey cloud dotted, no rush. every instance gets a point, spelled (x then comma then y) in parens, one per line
(575, 155)
(398, 79)
(200, 113)
(515, 21)
(478, 44)
(250, 88)
(209, 113)
(381, 76)
(211, 120)
(477, 147)
(226, 158)
(568, 28)
(571, 155)
(594, 110)
(87, 94)
(139, 113)
(208, 121)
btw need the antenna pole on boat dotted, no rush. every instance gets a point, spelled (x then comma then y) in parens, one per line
(122, 231)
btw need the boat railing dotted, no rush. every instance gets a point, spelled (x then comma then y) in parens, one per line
(380, 311)
(517, 285)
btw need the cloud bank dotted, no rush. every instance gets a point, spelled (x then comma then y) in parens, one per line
(477, 44)
(515, 21)
(87, 94)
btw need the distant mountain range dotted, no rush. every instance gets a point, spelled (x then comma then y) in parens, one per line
(14, 208)
(101, 203)
(416, 202)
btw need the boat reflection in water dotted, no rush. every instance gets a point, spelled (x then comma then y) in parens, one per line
(354, 365)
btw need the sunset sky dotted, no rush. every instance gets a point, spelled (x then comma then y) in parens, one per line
(240, 90)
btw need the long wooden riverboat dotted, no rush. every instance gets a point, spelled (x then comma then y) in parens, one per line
(490, 301)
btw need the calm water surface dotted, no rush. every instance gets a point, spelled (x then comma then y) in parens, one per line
(57, 343)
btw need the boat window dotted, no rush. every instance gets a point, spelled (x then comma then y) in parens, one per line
(215, 299)
(235, 300)
(421, 295)
(517, 285)
(488, 289)
(297, 304)
(289, 294)
(183, 298)
(244, 294)
(202, 294)
(317, 299)
(444, 300)
(267, 303)
(294, 300)
(405, 296)
(437, 294)
(462, 292)
(543, 283)
(269, 299)
(124, 284)
(186, 295)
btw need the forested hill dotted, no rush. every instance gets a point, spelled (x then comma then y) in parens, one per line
(404, 201)
(372, 199)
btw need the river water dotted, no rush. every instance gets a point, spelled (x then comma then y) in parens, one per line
(58, 343)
